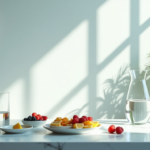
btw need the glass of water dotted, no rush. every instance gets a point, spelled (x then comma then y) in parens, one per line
(4, 108)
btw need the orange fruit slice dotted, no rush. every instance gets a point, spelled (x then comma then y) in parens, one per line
(58, 119)
(56, 123)
(87, 122)
(69, 125)
(78, 125)
(88, 126)
(95, 124)
(17, 126)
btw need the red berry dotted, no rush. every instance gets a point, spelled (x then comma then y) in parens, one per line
(119, 130)
(85, 117)
(34, 114)
(75, 120)
(37, 117)
(44, 117)
(90, 118)
(75, 116)
(111, 129)
(82, 119)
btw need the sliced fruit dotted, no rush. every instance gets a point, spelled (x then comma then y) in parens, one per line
(70, 121)
(17, 126)
(78, 125)
(69, 125)
(87, 123)
(58, 119)
(95, 124)
(56, 123)
(88, 126)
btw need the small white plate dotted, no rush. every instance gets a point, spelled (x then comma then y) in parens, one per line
(9, 129)
(71, 130)
(34, 123)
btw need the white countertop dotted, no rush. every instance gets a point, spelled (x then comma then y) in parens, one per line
(132, 133)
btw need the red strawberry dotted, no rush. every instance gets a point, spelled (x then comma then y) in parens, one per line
(75, 120)
(41, 118)
(75, 116)
(82, 119)
(44, 117)
(111, 129)
(119, 130)
(85, 117)
(37, 117)
(90, 118)
(34, 114)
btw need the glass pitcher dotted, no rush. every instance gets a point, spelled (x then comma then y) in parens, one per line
(137, 108)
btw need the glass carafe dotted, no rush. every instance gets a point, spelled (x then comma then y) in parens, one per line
(137, 108)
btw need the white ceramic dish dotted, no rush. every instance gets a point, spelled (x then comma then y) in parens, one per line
(9, 129)
(71, 130)
(34, 123)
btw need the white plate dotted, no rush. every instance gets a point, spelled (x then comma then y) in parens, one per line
(9, 129)
(71, 130)
(34, 123)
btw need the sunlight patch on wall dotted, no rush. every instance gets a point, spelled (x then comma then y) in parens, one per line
(113, 27)
(144, 47)
(108, 82)
(55, 75)
(16, 99)
(144, 7)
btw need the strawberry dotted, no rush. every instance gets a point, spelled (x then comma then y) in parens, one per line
(119, 130)
(34, 114)
(37, 117)
(85, 117)
(90, 118)
(44, 117)
(75, 116)
(111, 129)
(82, 119)
(75, 120)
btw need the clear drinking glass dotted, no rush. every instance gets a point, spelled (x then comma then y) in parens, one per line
(4, 108)
(137, 109)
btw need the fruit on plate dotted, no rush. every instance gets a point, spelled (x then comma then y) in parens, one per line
(78, 125)
(36, 117)
(56, 123)
(17, 126)
(87, 123)
(75, 122)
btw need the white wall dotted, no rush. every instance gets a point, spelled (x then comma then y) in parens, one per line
(67, 57)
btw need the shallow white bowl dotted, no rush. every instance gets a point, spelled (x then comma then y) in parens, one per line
(9, 129)
(34, 123)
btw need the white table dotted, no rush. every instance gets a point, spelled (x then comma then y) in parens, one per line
(134, 136)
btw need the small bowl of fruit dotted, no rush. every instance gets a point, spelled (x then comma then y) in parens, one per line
(35, 120)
